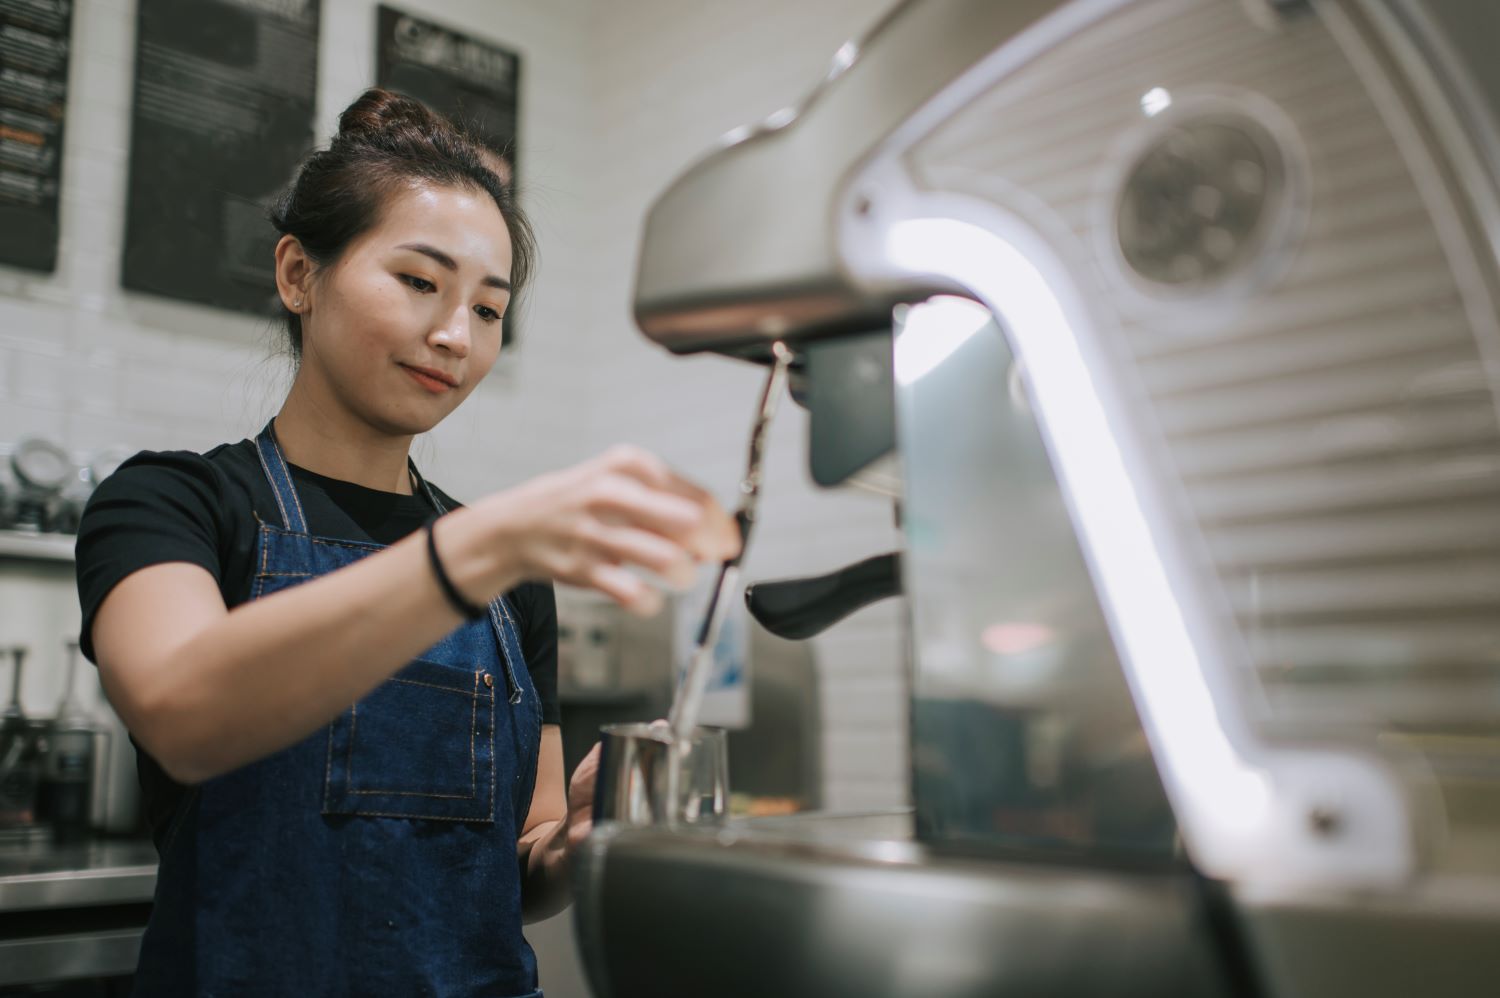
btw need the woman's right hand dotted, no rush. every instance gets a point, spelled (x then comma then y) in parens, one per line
(588, 525)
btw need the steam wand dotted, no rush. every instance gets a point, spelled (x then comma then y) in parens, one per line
(689, 699)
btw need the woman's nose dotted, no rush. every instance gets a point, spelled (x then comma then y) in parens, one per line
(452, 334)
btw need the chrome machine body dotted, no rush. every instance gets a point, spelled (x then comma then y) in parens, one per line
(1195, 356)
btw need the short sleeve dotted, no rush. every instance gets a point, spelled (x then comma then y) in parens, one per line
(537, 603)
(157, 507)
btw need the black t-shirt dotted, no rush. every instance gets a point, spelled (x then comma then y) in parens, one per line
(201, 508)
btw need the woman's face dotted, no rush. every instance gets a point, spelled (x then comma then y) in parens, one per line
(406, 323)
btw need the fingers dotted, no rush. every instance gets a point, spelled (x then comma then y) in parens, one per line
(629, 590)
(581, 784)
(653, 552)
(648, 468)
(589, 764)
(718, 537)
(618, 498)
(590, 526)
(581, 798)
(672, 505)
(578, 832)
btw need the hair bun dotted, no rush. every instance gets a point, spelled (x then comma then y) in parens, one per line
(383, 114)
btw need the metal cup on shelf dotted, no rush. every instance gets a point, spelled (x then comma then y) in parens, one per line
(42, 470)
(10, 490)
(43, 489)
(65, 509)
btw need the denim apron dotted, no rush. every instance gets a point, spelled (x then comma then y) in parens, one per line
(378, 856)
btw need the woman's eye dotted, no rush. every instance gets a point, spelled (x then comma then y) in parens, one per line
(419, 283)
(486, 313)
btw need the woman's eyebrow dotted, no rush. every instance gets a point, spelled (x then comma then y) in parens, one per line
(448, 263)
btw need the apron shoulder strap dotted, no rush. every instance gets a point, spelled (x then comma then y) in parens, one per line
(280, 478)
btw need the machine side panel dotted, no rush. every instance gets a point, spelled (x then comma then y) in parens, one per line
(1273, 279)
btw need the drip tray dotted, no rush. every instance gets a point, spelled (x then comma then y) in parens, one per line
(850, 904)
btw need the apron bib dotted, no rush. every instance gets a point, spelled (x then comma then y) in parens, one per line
(377, 856)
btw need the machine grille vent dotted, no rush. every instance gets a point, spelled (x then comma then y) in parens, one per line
(1330, 420)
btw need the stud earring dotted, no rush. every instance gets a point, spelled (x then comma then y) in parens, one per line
(297, 303)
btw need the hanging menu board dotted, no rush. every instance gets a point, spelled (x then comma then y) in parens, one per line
(33, 97)
(473, 82)
(223, 113)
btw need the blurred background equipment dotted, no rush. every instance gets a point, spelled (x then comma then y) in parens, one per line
(77, 868)
(20, 745)
(616, 668)
(43, 488)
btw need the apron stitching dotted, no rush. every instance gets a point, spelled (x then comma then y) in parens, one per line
(409, 793)
(494, 803)
(328, 771)
(512, 685)
(287, 472)
(473, 736)
(422, 817)
(419, 815)
(509, 641)
(349, 751)
(260, 449)
(353, 545)
(434, 686)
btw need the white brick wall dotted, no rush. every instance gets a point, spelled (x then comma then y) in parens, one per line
(617, 99)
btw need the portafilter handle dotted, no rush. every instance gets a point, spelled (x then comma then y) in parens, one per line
(800, 608)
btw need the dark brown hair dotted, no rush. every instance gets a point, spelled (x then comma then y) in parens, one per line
(388, 143)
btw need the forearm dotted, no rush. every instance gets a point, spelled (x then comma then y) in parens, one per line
(271, 672)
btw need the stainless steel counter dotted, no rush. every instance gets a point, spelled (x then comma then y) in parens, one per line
(70, 912)
(101, 873)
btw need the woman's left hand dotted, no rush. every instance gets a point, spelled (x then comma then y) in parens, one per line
(580, 818)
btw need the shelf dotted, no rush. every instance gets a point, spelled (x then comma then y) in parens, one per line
(19, 545)
(104, 872)
(73, 911)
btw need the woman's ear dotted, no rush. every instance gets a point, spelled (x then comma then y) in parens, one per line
(293, 273)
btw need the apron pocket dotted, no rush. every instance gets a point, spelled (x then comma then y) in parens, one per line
(421, 745)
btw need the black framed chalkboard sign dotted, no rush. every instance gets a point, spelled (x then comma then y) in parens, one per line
(223, 109)
(34, 43)
(474, 82)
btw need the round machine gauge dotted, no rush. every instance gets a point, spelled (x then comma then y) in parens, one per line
(1206, 202)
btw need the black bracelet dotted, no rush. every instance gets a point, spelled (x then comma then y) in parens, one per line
(455, 598)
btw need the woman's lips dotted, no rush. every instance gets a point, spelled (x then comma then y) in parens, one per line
(427, 381)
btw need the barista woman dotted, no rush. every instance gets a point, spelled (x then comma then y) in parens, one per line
(239, 601)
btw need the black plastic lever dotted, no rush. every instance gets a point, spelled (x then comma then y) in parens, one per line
(800, 608)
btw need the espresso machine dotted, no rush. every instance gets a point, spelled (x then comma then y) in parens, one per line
(1180, 319)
